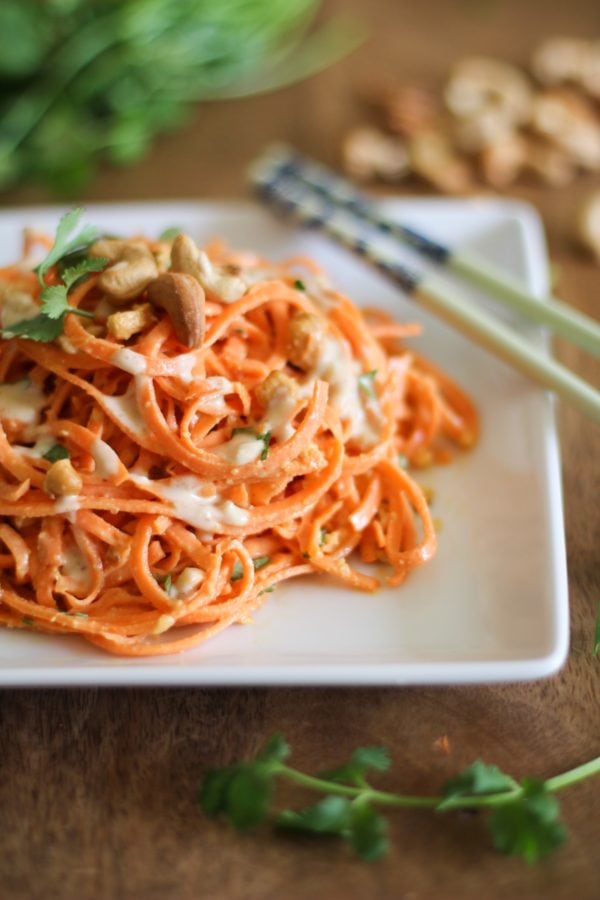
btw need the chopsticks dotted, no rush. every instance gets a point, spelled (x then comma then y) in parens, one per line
(560, 317)
(275, 177)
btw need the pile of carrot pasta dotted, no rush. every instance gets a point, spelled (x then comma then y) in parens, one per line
(195, 479)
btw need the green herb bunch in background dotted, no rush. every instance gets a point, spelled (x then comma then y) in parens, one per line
(85, 80)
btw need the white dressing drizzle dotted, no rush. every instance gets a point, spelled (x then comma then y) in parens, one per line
(194, 501)
(21, 401)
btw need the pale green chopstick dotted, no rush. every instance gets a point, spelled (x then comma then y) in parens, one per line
(563, 319)
(311, 208)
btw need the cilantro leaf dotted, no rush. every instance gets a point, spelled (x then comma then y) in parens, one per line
(275, 750)
(260, 562)
(40, 328)
(476, 780)
(248, 796)
(54, 301)
(64, 244)
(597, 633)
(169, 234)
(213, 792)
(365, 382)
(26, 620)
(529, 826)
(323, 533)
(363, 759)
(331, 815)
(299, 285)
(56, 452)
(368, 832)
(86, 266)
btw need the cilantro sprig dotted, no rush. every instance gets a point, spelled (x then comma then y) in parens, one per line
(366, 382)
(523, 820)
(49, 324)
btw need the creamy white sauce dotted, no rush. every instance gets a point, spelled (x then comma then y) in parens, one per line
(22, 401)
(67, 504)
(336, 366)
(16, 306)
(125, 411)
(216, 279)
(194, 501)
(65, 344)
(279, 412)
(184, 365)
(129, 361)
(105, 459)
(41, 446)
(75, 566)
(241, 449)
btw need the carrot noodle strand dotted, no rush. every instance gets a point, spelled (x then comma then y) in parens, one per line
(280, 447)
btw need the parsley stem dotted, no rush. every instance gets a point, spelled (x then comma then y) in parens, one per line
(586, 770)
(386, 798)
(346, 790)
(81, 312)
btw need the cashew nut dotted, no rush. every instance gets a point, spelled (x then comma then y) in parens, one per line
(305, 340)
(369, 153)
(133, 268)
(502, 160)
(277, 386)
(62, 479)
(561, 59)
(122, 325)
(569, 121)
(433, 158)
(188, 259)
(589, 224)
(478, 84)
(408, 109)
(182, 298)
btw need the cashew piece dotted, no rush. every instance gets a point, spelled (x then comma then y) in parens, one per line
(369, 153)
(187, 259)
(133, 268)
(479, 83)
(182, 298)
(62, 479)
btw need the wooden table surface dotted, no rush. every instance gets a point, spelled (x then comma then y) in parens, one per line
(98, 787)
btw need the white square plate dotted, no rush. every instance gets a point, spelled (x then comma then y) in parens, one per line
(491, 606)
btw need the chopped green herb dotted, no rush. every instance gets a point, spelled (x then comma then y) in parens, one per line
(261, 562)
(56, 452)
(299, 285)
(165, 581)
(323, 534)
(365, 382)
(403, 461)
(237, 572)
(169, 234)
(268, 590)
(26, 620)
(597, 632)
(266, 439)
(78, 615)
(306, 555)
(523, 816)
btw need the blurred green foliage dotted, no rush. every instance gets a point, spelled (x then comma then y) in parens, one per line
(82, 80)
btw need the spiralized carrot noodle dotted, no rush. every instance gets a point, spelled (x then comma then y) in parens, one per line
(180, 523)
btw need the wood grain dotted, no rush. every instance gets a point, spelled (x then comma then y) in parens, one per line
(98, 787)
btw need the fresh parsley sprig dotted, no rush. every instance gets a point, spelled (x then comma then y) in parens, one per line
(523, 815)
(49, 324)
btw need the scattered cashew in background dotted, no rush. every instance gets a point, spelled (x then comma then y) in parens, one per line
(492, 124)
